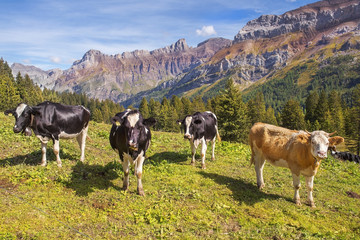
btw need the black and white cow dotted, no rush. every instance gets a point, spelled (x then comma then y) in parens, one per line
(52, 121)
(130, 136)
(201, 128)
(347, 156)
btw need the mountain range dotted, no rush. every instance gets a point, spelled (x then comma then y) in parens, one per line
(265, 48)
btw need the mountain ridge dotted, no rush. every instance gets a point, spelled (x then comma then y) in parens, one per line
(262, 47)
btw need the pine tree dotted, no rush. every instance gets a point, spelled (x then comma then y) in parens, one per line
(337, 116)
(9, 96)
(198, 104)
(154, 108)
(178, 105)
(97, 115)
(144, 108)
(188, 109)
(321, 109)
(270, 116)
(354, 117)
(256, 108)
(310, 106)
(208, 106)
(292, 116)
(233, 120)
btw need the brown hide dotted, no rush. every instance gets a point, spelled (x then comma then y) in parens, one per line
(277, 143)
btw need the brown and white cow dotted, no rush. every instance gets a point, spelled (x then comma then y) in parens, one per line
(299, 151)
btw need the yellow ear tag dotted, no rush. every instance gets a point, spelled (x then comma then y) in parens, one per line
(10, 114)
(117, 123)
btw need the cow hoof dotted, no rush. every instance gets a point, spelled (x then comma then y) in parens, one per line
(212, 158)
(312, 204)
(193, 164)
(43, 164)
(141, 192)
(297, 202)
(261, 186)
(203, 166)
(59, 165)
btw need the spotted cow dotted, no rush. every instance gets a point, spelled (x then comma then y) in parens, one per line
(130, 137)
(201, 128)
(52, 121)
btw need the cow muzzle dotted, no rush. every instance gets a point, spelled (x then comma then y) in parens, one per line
(187, 136)
(133, 146)
(16, 129)
(322, 154)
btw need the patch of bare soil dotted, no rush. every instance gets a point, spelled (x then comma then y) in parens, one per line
(353, 194)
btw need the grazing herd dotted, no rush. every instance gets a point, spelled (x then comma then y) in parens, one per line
(130, 136)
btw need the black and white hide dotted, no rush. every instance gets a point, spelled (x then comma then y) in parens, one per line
(345, 156)
(130, 136)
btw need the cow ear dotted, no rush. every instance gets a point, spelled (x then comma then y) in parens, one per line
(335, 140)
(303, 138)
(116, 120)
(10, 112)
(197, 121)
(35, 110)
(149, 122)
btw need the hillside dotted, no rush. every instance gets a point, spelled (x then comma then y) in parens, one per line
(85, 201)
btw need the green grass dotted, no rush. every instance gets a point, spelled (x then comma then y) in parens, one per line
(181, 202)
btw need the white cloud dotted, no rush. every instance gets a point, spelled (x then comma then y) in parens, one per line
(55, 59)
(206, 31)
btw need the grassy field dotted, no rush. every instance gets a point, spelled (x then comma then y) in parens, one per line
(85, 200)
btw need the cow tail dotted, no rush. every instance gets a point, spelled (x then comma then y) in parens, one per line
(217, 134)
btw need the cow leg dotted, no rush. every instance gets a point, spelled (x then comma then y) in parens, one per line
(310, 185)
(213, 150)
(81, 139)
(203, 153)
(259, 163)
(296, 183)
(57, 152)
(43, 153)
(126, 169)
(138, 172)
(193, 152)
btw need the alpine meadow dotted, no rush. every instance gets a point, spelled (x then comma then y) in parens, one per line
(282, 78)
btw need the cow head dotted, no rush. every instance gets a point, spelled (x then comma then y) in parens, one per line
(320, 142)
(23, 117)
(135, 126)
(193, 126)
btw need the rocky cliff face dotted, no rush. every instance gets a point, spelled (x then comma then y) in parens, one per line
(317, 17)
(119, 76)
(40, 77)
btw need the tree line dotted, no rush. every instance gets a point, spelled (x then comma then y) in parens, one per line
(323, 111)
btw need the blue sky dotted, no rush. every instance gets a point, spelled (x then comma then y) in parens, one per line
(54, 33)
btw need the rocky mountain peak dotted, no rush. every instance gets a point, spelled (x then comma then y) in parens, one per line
(317, 16)
(179, 46)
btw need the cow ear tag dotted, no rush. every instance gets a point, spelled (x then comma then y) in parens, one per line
(10, 114)
(117, 123)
